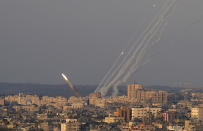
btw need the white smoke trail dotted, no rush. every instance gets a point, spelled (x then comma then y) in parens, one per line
(133, 47)
(130, 60)
(115, 88)
(109, 72)
(136, 65)
(140, 56)
(159, 34)
(126, 62)
(119, 82)
(116, 66)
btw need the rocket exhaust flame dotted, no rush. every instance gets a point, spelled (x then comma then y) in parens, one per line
(64, 76)
(75, 91)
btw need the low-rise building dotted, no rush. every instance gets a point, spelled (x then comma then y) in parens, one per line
(2, 102)
(123, 112)
(197, 113)
(113, 119)
(71, 125)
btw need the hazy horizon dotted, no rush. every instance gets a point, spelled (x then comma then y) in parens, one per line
(41, 39)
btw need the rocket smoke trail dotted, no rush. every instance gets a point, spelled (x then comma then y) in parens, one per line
(123, 66)
(129, 53)
(115, 67)
(140, 55)
(133, 68)
(123, 62)
(138, 51)
(130, 60)
(119, 73)
(110, 70)
(75, 91)
(143, 50)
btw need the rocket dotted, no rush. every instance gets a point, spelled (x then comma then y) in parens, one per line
(64, 76)
(75, 91)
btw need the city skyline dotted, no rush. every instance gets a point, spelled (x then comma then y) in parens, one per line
(139, 109)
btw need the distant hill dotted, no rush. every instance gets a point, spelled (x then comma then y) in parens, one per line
(43, 89)
(64, 90)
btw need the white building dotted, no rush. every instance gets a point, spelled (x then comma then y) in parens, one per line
(175, 128)
(112, 119)
(143, 112)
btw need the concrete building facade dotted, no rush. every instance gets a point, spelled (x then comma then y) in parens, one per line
(144, 112)
(197, 113)
(136, 92)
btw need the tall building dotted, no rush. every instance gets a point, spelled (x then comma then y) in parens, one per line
(132, 89)
(135, 91)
